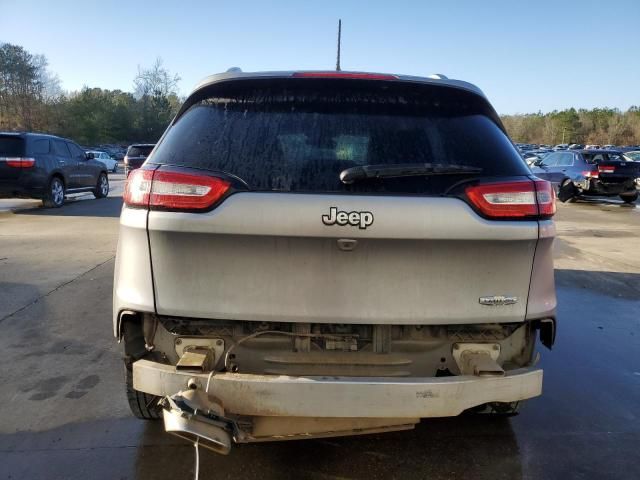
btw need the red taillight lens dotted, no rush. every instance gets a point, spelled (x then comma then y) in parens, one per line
(516, 199)
(606, 168)
(137, 188)
(185, 191)
(20, 162)
(591, 173)
(546, 198)
(360, 76)
(173, 190)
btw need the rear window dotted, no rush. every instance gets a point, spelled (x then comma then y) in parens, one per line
(295, 138)
(11, 146)
(139, 151)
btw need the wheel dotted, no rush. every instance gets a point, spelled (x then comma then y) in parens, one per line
(143, 405)
(54, 198)
(567, 191)
(629, 197)
(102, 188)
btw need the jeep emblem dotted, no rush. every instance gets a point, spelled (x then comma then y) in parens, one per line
(360, 219)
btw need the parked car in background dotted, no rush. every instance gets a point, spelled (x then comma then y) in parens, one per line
(136, 155)
(576, 146)
(561, 146)
(46, 167)
(633, 155)
(105, 158)
(533, 156)
(589, 172)
(267, 189)
(592, 147)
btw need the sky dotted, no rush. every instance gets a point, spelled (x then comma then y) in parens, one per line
(527, 56)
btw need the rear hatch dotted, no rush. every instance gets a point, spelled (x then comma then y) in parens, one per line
(12, 148)
(137, 154)
(289, 241)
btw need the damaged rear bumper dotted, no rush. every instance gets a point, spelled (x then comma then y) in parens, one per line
(341, 397)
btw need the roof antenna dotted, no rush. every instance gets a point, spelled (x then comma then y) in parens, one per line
(339, 35)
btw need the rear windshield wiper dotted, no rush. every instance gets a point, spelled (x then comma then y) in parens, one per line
(353, 174)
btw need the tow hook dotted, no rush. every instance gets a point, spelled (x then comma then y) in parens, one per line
(195, 416)
(478, 359)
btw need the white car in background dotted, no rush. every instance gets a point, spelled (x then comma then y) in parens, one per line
(104, 157)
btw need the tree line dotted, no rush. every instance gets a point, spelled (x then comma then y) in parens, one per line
(31, 99)
(599, 126)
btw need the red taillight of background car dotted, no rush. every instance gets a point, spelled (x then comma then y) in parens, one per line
(591, 173)
(513, 200)
(173, 190)
(20, 162)
(606, 168)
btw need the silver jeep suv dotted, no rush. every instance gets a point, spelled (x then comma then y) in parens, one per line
(330, 253)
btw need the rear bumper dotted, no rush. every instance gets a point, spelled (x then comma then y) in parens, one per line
(19, 188)
(597, 187)
(342, 397)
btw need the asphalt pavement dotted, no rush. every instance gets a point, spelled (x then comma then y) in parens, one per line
(63, 413)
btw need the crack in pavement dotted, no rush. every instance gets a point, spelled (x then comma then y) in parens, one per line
(36, 300)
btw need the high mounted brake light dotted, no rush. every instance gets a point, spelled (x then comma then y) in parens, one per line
(357, 76)
(19, 162)
(513, 200)
(173, 190)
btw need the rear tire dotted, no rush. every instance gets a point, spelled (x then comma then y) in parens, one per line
(629, 198)
(102, 188)
(54, 197)
(143, 405)
(567, 191)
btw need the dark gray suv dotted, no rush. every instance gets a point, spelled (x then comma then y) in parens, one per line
(35, 165)
(331, 253)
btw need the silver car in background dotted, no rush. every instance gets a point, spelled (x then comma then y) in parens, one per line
(330, 253)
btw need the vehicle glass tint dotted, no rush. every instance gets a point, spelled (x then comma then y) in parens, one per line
(300, 139)
(75, 150)
(40, 146)
(11, 146)
(551, 160)
(594, 158)
(139, 151)
(565, 160)
(60, 148)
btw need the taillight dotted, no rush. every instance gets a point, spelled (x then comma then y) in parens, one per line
(352, 75)
(517, 199)
(546, 197)
(606, 168)
(173, 190)
(19, 162)
(137, 188)
(591, 173)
